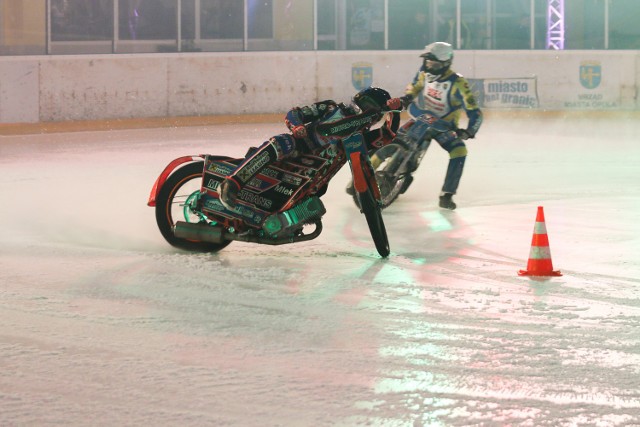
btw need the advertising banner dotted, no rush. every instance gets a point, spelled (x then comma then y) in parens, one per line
(506, 93)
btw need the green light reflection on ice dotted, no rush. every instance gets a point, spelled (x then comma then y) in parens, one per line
(393, 275)
(437, 222)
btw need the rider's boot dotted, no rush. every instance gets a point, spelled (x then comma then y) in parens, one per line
(446, 201)
(275, 149)
(451, 182)
(229, 189)
(350, 188)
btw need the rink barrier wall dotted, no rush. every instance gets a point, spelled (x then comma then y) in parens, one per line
(8, 129)
(60, 88)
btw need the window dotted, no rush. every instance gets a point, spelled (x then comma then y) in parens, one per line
(136, 26)
(411, 24)
(23, 27)
(222, 19)
(81, 20)
(365, 24)
(623, 24)
(584, 24)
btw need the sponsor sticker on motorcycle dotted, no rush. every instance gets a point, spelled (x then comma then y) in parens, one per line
(219, 168)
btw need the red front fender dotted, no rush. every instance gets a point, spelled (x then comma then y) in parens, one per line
(165, 174)
(363, 175)
(359, 181)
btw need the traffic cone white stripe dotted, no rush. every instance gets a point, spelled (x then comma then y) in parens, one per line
(540, 252)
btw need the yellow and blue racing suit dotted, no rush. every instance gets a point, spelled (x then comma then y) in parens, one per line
(435, 109)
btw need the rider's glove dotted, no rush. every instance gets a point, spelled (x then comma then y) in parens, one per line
(406, 100)
(464, 134)
(394, 104)
(299, 131)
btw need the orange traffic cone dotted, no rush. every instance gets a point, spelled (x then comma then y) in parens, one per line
(540, 256)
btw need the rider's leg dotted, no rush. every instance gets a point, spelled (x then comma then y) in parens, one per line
(429, 127)
(277, 148)
(457, 156)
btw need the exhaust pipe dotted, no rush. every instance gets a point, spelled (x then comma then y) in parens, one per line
(199, 232)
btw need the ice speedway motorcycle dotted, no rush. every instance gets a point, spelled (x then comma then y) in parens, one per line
(395, 164)
(281, 202)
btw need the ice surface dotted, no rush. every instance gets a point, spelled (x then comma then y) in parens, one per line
(103, 323)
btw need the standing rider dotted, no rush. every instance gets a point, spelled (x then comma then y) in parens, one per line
(435, 99)
(367, 109)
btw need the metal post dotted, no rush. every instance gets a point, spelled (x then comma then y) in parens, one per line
(606, 24)
(179, 25)
(458, 25)
(245, 37)
(490, 42)
(315, 25)
(555, 24)
(198, 30)
(386, 24)
(48, 27)
(532, 24)
(116, 26)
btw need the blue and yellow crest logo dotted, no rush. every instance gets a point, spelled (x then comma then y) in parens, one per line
(361, 75)
(590, 74)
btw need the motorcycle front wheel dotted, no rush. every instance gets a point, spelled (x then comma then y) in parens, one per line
(373, 212)
(175, 202)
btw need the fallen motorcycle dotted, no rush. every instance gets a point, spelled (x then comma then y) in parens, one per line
(279, 204)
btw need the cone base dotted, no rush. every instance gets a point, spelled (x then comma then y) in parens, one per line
(539, 273)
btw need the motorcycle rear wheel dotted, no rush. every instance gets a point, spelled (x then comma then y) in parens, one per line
(373, 213)
(172, 205)
(391, 186)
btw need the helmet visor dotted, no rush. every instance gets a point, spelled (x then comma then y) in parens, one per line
(433, 66)
(366, 103)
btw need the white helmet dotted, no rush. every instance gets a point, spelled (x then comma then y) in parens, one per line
(438, 57)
